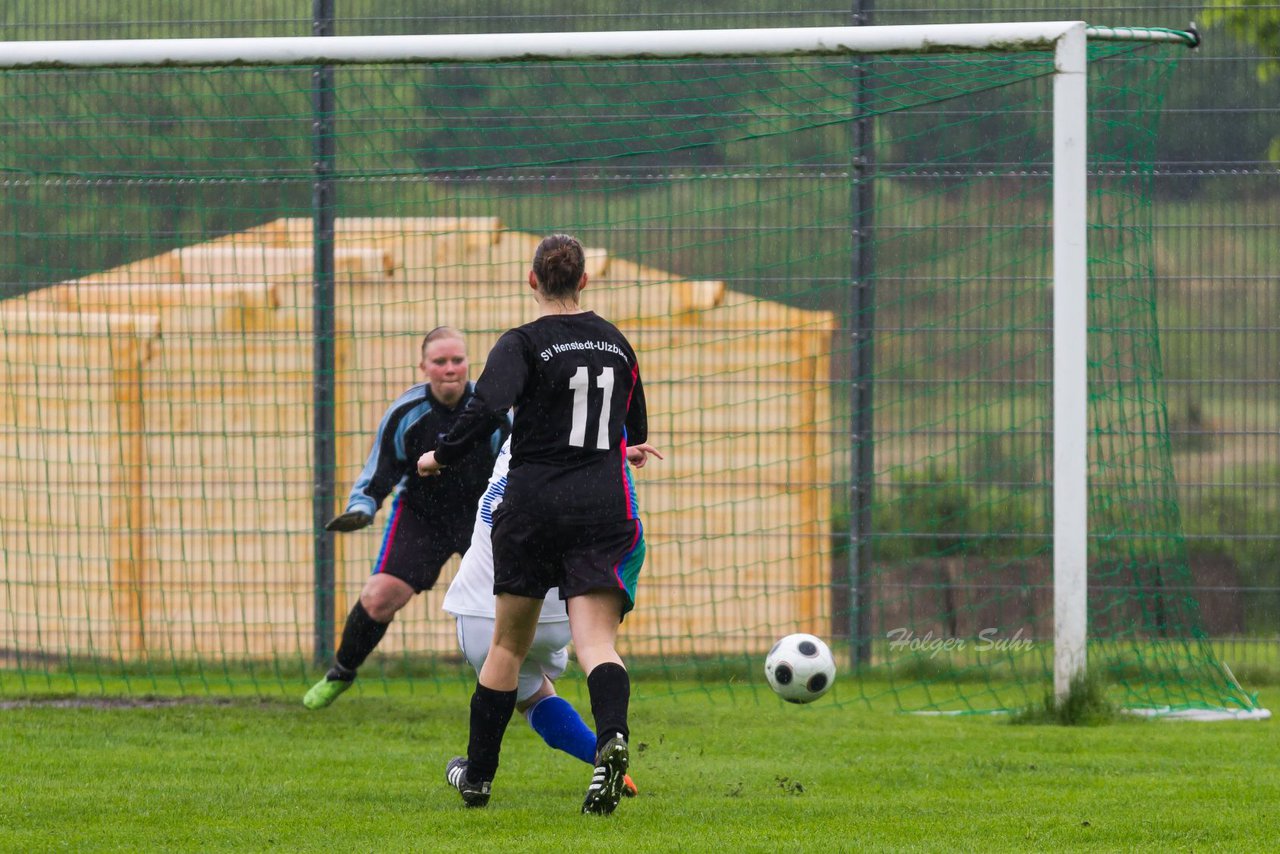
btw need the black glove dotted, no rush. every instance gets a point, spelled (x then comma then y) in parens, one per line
(352, 520)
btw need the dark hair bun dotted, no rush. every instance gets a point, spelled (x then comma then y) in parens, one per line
(559, 263)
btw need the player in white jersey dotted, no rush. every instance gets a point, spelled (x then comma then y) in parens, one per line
(470, 600)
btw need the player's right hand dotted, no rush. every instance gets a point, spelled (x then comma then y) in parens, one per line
(352, 520)
(427, 465)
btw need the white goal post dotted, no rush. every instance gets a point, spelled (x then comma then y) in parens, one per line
(1068, 40)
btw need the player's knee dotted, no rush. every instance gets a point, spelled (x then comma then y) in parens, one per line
(510, 645)
(381, 601)
(378, 609)
(513, 642)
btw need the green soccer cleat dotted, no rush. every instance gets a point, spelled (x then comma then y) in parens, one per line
(324, 692)
(606, 782)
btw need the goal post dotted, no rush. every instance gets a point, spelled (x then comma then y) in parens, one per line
(818, 99)
(1070, 365)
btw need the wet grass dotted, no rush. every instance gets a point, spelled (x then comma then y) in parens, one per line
(716, 771)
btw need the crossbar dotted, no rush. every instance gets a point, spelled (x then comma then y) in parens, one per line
(503, 47)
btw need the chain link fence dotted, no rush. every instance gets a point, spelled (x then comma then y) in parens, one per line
(1217, 260)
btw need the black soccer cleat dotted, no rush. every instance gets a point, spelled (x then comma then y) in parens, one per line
(474, 794)
(606, 782)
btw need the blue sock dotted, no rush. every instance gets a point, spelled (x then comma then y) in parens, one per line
(563, 728)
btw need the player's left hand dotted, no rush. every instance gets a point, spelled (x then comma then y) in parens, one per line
(638, 455)
(427, 465)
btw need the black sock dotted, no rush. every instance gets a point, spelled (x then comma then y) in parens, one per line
(610, 689)
(490, 713)
(360, 636)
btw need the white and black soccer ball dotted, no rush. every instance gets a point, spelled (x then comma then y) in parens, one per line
(800, 668)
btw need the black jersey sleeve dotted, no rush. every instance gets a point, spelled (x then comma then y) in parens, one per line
(637, 416)
(505, 372)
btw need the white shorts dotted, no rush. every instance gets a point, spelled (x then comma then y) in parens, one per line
(548, 656)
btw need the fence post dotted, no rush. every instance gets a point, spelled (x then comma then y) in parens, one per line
(323, 325)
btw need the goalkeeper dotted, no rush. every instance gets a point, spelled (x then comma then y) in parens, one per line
(430, 517)
(470, 599)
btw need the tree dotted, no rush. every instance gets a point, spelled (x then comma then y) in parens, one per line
(1253, 23)
(1256, 25)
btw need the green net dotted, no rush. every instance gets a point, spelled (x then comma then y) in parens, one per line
(157, 327)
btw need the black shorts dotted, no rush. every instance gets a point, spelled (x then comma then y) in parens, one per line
(532, 554)
(415, 548)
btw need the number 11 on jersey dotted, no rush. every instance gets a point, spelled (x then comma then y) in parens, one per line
(580, 382)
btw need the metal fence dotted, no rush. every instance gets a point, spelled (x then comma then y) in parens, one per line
(1218, 226)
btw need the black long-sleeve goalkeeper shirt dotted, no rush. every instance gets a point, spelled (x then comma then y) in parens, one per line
(412, 426)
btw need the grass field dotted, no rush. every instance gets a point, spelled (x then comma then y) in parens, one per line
(716, 771)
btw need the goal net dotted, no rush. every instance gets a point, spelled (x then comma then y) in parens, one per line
(836, 263)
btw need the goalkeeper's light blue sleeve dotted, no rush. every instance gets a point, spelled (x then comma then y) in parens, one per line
(387, 465)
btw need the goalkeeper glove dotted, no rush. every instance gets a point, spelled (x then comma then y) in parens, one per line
(352, 520)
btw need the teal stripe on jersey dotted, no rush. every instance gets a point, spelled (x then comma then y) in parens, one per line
(628, 569)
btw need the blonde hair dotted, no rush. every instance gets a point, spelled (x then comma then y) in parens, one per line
(441, 332)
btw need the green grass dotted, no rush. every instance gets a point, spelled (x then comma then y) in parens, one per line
(717, 772)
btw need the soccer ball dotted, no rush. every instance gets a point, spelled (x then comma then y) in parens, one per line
(800, 668)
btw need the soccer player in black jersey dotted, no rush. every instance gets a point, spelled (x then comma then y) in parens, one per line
(430, 519)
(568, 518)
